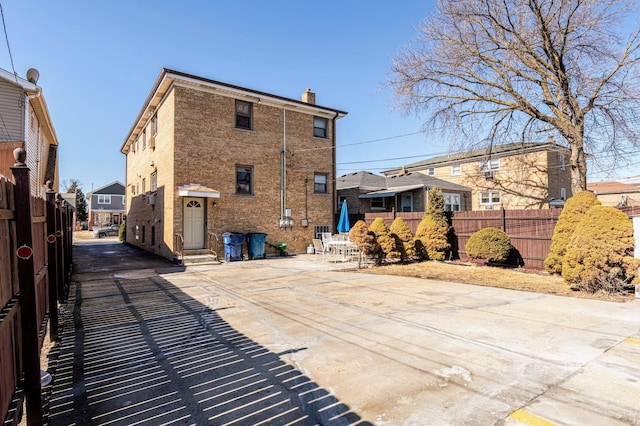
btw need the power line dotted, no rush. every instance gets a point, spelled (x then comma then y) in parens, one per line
(6, 37)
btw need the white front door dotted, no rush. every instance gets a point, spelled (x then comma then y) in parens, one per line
(193, 223)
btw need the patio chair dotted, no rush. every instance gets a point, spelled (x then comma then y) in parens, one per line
(318, 247)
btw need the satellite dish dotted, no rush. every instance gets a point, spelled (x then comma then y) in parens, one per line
(33, 75)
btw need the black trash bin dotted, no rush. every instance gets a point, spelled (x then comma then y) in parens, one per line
(255, 243)
(233, 242)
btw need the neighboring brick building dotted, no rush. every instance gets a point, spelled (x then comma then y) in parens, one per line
(615, 194)
(366, 192)
(26, 124)
(106, 205)
(205, 157)
(513, 176)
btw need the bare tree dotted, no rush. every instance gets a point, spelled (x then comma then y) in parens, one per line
(528, 70)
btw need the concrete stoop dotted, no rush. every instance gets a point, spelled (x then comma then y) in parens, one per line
(203, 258)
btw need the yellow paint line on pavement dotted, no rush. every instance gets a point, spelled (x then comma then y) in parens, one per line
(632, 341)
(529, 419)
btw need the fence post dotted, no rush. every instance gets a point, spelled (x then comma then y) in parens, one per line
(26, 279)
(52, 263)
(60, 252)
(504, 220)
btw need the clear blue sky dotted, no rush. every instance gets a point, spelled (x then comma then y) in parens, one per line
(99, 60)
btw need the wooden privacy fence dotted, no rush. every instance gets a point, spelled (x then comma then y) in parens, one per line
(530, 230)
(35, 264)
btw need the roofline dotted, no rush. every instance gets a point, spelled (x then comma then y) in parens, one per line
(104, 186)
(35, 95)
(530, 147)
(171, 76)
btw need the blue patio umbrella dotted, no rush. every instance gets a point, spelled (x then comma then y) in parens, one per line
(343, 223)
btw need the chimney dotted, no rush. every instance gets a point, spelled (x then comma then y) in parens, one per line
(309, 97)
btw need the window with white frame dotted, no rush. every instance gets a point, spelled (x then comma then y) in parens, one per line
(431, 171)
(488, 198)
(341, 199)
(144, 139)
(320, 183)
(104, 199)
(154, 181)
(451, 202)
(320, 127)
(456, 170)
(377, 203)
(154, 125)
(562, 165)
(489, 165)
(563, 194)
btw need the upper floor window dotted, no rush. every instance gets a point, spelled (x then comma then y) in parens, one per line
(451, 202)
(137, 147)
(489, 197)
(144, 185)
(456, 170)
(320, 183)
(154, 125)
(244, 180)
(144, 139)
(320, 127)
(563, 194)
(154, 181)
(489, 165)
(562, 165)
(104, 199)
(431, 171)
(244, 115)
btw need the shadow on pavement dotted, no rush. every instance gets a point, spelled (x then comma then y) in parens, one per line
(140, 351)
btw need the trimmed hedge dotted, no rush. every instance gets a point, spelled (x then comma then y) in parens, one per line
(490, 244)
(573, 211)
(599, 256)
(431, 239)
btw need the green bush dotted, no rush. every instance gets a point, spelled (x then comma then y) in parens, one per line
(431, 239)
(435, 207)
(573, 211)
(403, 238)
(386, 242)
(599, 256)
(490, 244)
(122, 232)
(364, 239)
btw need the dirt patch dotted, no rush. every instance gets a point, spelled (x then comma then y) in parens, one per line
(514, 279)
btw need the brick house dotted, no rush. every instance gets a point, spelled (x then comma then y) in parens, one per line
(513, 176)
(106, 205)
(366, 192)
(26, 124)
(615, 194)
(205, 157)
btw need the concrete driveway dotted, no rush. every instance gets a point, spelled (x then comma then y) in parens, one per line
(338, 347)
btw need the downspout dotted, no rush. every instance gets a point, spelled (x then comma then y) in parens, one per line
(334, 177)
(26, 133)
(283, 165)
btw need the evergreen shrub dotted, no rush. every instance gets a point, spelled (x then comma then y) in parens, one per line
(572, 212)
(599, 256)
(490, 244)
(431, 239)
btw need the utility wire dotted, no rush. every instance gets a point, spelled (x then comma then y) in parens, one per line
(6, 37)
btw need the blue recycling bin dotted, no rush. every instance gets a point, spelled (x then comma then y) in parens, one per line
(233, 242)
(255, 242)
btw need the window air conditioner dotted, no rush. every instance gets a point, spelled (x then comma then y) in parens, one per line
(488, 175)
